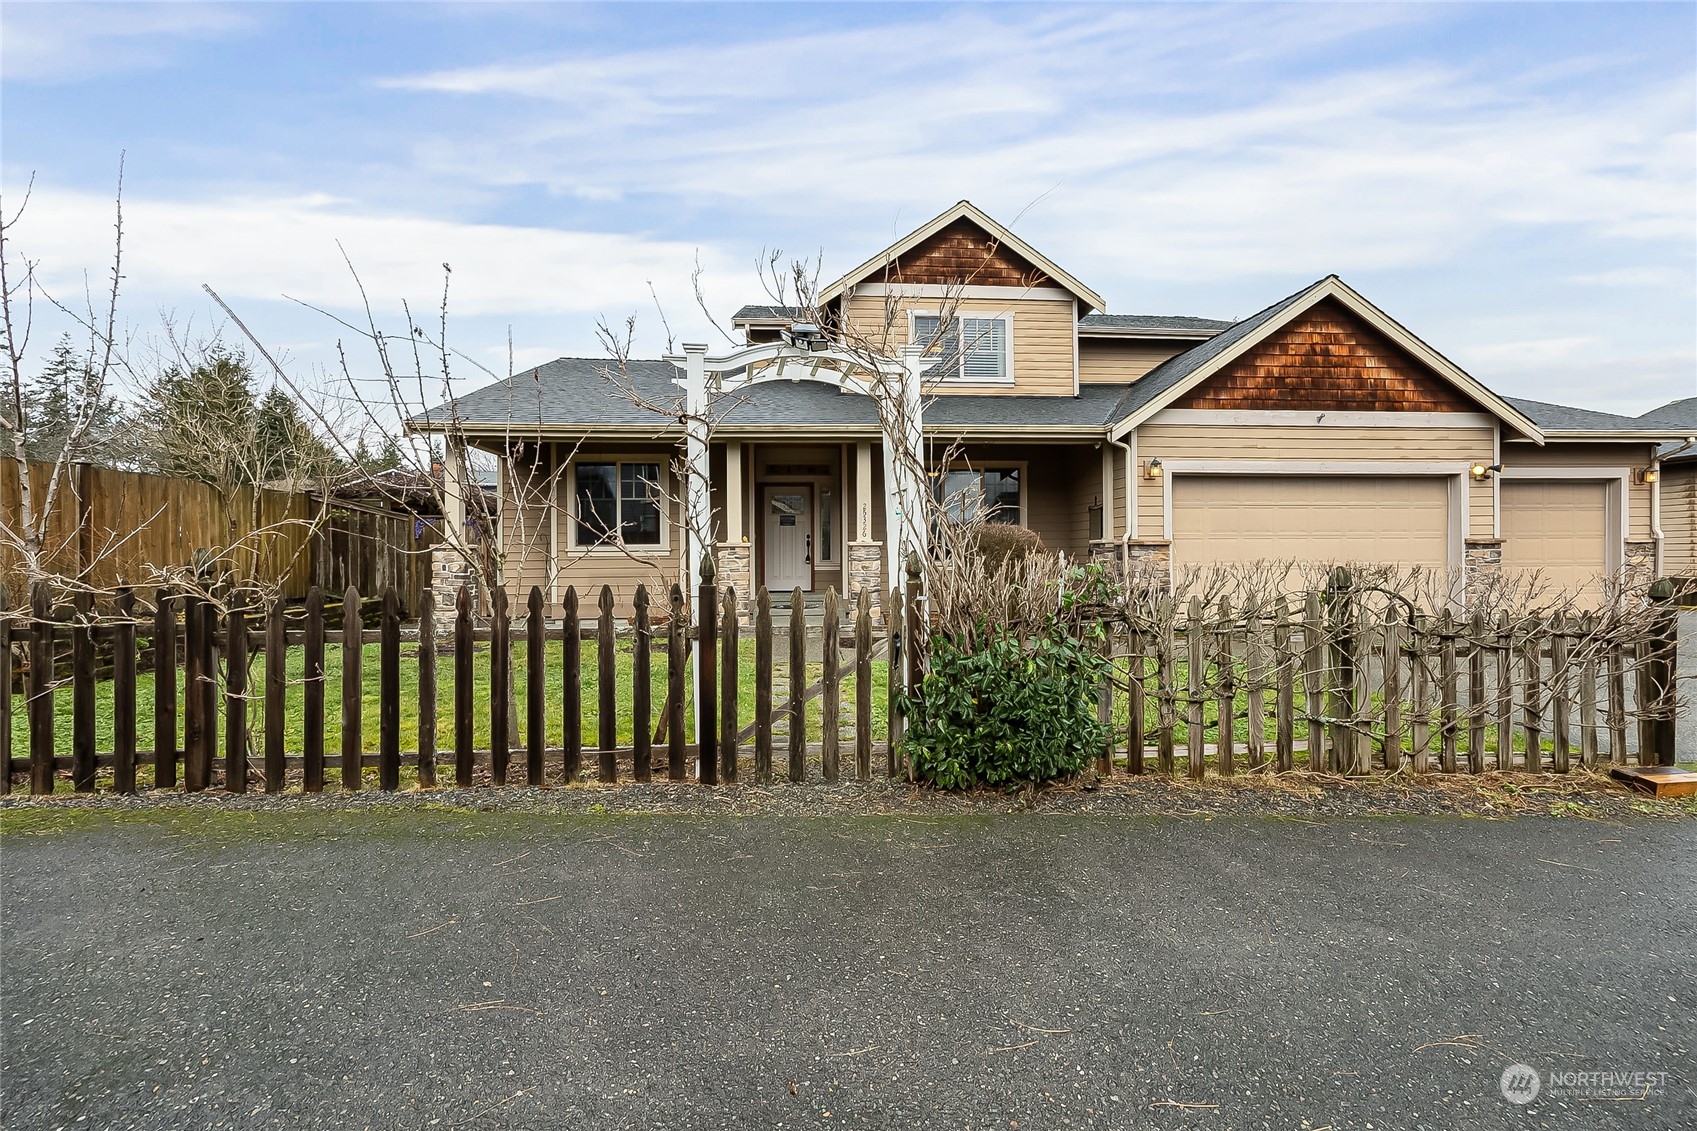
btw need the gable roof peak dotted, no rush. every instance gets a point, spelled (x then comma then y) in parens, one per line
(1002, 235)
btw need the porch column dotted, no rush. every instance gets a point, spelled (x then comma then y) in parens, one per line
(865, 556)
(736, 565)
(451, 563)
(698, 500)
(904, 470)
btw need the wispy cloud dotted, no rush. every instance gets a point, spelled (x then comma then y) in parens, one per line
(58, 42)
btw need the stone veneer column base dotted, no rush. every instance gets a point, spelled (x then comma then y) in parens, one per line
(1106, 553)
(1639, 563)
(448, 571)
(866, 571)
(1150, 563)
(736, 568)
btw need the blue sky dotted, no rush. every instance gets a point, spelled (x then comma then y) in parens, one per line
(1516, 183)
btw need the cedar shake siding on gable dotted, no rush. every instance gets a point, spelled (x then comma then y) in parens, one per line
(1327, 359)
(962, 254)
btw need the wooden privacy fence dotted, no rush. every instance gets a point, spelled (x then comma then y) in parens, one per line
(110, 527)
(1326, 685)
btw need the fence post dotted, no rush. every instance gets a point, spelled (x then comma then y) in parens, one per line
(728, 676)
(1588, 692)
(235, 697)
(1166, 686)
(798, 686)
(535, 690)
(1136, 702)
(1504, 647)
(1284, 739)
(830, 681)
(353, 692)
(500, 687)
(1532, 673)
(1559, 712)
(1340, 625)
(1391, 660)
(389, 693)
(1476, 695)
(763, 687)
(1314, 682)
(123, 692)
(197, 720)
(863, 684)
(465, 721)
(276, 696)
(1666, 644)
(82, 692)
(707, 675)
(312, 694)
(5, 691)
(426, 688)
(1195, 662)
(606, 679)
(914, 650)
(1225, 699)
(677, 659)
(1255, 682)
(571, 691)
(1447, 692)
(40, 692)
(895, 624)
(641, 688)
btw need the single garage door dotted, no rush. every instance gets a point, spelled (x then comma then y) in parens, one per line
(1346, 518)
(1559, 526)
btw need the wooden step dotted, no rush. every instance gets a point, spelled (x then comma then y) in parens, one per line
(1663, 781)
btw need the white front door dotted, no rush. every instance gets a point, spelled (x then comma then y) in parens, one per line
(789, 538)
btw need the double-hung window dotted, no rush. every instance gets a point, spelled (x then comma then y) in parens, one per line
(617, 502)
(970, 348)
(991, 493)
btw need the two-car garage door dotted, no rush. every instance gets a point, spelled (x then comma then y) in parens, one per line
(1221, 519)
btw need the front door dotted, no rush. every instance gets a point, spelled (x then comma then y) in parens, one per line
(789, 538)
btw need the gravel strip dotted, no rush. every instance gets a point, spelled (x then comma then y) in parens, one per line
(1295, 795)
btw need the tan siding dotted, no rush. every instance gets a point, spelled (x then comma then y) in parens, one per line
(1043, 332)
(1227, 442)
(1611, 457)
(1117, 361)
(526, 535)
(1679, 520)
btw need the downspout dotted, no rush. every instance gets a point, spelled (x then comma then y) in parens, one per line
(1656, 495)
(1130, 501)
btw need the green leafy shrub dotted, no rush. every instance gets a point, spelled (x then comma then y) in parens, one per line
(1008, 708)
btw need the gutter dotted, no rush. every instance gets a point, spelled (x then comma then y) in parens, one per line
(1130, 501)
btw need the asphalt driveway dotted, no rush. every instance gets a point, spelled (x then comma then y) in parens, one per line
(426, 967)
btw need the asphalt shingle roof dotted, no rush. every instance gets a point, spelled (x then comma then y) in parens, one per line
(1674, 414)
(1157, 322)
(588, 392)
(761, 313)
(1564, 418)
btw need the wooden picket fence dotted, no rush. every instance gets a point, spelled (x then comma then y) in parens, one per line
(1320, 685)
(211, 648)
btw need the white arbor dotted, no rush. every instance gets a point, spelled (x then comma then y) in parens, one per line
(894, 386)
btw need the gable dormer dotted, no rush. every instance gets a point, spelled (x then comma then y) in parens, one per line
(1003, 315)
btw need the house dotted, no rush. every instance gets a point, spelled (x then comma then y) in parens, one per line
(1318, 428)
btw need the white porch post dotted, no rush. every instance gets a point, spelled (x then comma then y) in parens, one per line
(453, 488)
(733, 491)
(904, 473)
(863, 491)
(698, 500)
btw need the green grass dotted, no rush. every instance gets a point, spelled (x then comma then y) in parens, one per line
(294, 720)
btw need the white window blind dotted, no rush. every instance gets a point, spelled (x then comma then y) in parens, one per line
(971, 349)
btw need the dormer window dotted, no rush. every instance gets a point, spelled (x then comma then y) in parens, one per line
(972, 349)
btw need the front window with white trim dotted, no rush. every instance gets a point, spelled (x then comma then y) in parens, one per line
(969, 348)
(617, 502)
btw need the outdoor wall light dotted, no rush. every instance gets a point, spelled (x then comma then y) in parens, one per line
(1647, 474)
(1484, 470)
(1152, 469)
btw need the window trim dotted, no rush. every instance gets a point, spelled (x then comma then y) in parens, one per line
(959, 378)
(619, 546)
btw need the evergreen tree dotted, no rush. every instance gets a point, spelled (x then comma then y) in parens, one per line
(63, 394)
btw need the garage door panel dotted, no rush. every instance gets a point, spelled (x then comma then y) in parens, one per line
(1557, 526)
(1220, 519)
